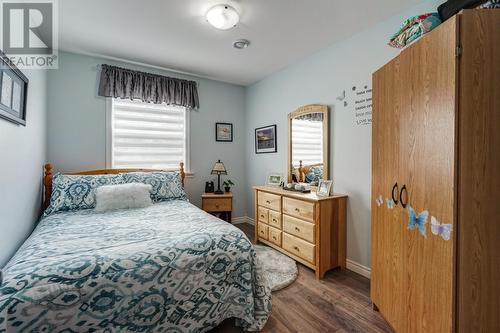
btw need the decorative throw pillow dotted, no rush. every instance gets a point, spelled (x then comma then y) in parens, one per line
(315, 175)
(166, 185)
(123, 196)
(75, 192)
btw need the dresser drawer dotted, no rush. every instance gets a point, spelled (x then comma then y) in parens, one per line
(299, 228)
(298, 208)
(263, 214)
(299, 247)
(275, 219)
(269, 200)
(263, 230)
(275, 236)
(217, 204)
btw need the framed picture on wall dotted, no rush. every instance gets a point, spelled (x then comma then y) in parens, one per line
(223, 132)
(13, 90)
(265, 139)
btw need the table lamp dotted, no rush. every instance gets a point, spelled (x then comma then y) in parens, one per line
(219, 169)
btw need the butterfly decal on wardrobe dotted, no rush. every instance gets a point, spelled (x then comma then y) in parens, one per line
(417, 221)
(441, 229)
(390, 203)
(379, 201)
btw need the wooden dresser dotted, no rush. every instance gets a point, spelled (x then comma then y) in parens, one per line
(307, 228)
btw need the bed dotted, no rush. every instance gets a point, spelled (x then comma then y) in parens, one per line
(170, 267)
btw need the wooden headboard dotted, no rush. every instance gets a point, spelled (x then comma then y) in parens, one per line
(47, 178)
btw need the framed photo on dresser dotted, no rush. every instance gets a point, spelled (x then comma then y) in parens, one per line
(324, 188)
(13, 90)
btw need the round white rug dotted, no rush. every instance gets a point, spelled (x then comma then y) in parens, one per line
(279, 270)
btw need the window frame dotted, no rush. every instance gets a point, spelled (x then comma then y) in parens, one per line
(109, 138)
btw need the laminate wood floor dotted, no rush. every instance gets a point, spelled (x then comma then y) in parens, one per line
(338, 303)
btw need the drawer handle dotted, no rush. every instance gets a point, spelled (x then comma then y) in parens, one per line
(296, 249)
(274, 237)
(274, 220)
(262, 216)
(268, 202)
(297, 210)
(297, 229)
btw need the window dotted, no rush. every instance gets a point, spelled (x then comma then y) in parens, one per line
(146, 135)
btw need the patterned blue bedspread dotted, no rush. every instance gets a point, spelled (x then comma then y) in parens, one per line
(166, 268)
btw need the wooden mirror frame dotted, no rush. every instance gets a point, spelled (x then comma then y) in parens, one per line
(306, 109)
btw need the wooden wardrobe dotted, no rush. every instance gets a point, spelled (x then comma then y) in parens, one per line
(436, 147)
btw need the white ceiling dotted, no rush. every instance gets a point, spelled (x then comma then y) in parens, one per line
(174, 33)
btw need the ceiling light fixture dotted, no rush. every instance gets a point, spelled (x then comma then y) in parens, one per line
(223, 17)
(241, 44)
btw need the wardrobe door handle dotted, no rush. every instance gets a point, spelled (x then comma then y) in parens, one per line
(401, 196)
(395, 187)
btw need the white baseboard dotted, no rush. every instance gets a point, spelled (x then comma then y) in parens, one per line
(358, 268)
(241, 219)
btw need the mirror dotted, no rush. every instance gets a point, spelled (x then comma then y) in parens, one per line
(308, 137)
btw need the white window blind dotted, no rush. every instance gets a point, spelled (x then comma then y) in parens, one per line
(146, 135)
(307, 142)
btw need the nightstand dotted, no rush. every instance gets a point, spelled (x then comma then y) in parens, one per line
(218, 204)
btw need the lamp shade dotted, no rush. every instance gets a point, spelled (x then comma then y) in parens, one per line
(219, 168)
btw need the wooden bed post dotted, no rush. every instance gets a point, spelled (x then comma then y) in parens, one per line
(183, 174)
(47, 184)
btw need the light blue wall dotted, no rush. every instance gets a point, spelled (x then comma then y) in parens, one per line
(22, 155)
(320, 79)
(77, 132)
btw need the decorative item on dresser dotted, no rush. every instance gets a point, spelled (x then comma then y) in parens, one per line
(324, 187)
(218, 204)
(274, 179)
(308, 228)
(435, 245)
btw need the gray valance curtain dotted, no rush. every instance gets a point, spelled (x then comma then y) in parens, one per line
(128, 84)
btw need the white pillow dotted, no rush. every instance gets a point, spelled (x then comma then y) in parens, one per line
(123, 196)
